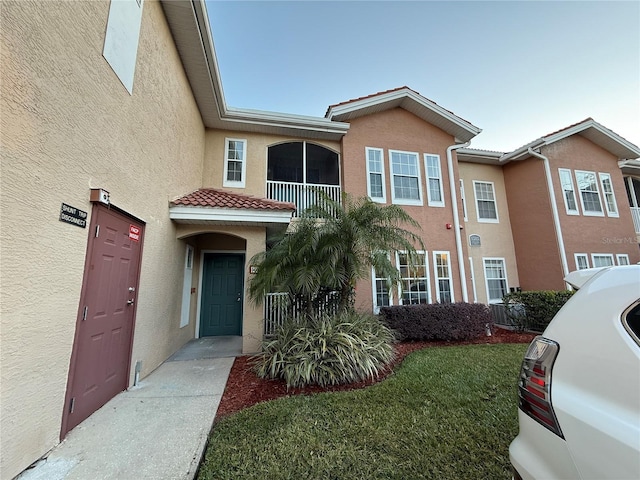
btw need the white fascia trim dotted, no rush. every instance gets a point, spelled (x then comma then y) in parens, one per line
(229, 215)
(202, 19)
(279, 121)
(254, 117)
(629, 163)
(540, 142)
(398, 95)
(601, 128)
(522, 151)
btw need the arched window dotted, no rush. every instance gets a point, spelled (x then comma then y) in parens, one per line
(302, 162)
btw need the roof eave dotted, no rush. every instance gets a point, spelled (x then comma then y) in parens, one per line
(226, 216)
(189, 25)
(473, 155)
(589, 129)
(452, 124)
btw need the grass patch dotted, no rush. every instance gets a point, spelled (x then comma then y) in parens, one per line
(447, 413)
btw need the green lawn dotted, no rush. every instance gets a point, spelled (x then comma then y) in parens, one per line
(447, 413)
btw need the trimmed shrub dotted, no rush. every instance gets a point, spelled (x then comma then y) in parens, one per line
(331, 350)
(534, 310)
(438, 321)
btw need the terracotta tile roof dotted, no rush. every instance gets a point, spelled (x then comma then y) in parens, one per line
(210, 197)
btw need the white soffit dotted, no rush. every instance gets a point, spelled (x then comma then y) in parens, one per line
(228, 216)
(189, 25)
(473, 155)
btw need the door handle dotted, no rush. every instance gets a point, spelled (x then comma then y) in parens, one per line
(130, 302)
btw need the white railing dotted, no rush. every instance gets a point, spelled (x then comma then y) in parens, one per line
(635, 214)
(301, 194)
(277, 308)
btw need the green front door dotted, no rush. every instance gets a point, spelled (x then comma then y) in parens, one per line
(222, 295)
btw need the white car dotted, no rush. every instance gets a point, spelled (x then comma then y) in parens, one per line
(579, 386)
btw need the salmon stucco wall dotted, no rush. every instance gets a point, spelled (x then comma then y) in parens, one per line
(496, 239)
(69, 125)
(592, 234)
(398, 129)
(536, 246)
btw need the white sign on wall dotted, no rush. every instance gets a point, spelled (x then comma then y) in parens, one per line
(121, 39)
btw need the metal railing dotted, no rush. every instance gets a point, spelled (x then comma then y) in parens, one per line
(277, 307)
(303, 195)
(635, 214)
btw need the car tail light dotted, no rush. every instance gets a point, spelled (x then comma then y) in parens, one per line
(534, 387)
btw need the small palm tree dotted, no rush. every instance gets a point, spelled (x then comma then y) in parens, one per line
(333, 245)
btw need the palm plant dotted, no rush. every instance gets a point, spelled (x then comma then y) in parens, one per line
(331, 246)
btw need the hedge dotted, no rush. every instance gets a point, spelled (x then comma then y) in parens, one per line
(438, 321)
(535, 309)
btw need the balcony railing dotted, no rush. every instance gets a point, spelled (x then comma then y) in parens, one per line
(301, 194)
(635, 214)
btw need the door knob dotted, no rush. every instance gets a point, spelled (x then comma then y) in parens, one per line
(130, 302)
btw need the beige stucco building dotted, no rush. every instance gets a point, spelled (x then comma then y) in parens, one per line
(133, 199)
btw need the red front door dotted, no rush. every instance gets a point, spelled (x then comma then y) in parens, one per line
(102, 346)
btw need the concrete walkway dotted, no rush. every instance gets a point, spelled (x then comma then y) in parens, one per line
(155, 430)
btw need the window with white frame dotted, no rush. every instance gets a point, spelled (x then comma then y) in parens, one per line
(235, 165)
(609, 197)
(414, 278)
(464, 201)
(495, 275)
(602, 259)
(589, 193)
(485, 201)
(623, 259)
(405, 173)
(186, 287)
(442, 269)
(375, 174)
(381, 295)
(582, 261)
(435, 192)
(569, 193)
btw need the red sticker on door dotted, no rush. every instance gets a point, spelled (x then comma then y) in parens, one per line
(134, 233)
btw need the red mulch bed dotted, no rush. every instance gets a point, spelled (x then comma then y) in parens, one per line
(245, 389)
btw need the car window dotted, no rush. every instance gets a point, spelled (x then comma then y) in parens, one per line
(631, 322)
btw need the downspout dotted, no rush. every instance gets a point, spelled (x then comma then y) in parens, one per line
(456, 219)
(554, 208)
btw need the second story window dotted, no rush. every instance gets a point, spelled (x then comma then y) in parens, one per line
(485, 202)
(405, 172)
(589, 194)
(609, 196)
(375, 175)
(235, 165)
(569, 194)
(434, 180)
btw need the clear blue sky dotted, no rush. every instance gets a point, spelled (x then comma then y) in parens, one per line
(518, 70)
